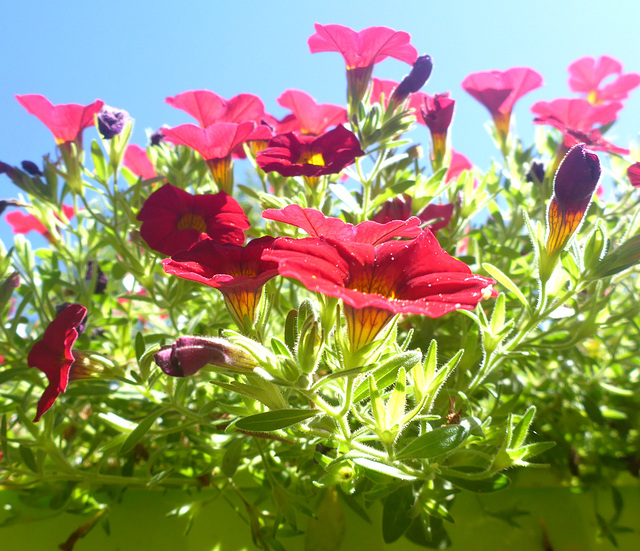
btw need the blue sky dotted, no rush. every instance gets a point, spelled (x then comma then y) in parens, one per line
(133, 54)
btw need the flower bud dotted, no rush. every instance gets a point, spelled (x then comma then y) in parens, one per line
(309, 345)
(188, 355)
(415, 80)
(101, 278)
(31, 168)
(111, 121)
(7, 286)
(157, 137)
(536, 173)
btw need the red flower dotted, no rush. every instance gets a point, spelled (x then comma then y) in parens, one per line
(292, 155)
(137, 161)
(633, 173)
(575, 118)
(238, 272)
(66, 121)
(380, 87)
(498, 91)
(24, 223)
(215, 143)
(53, 354)
(316, 224)
(314, 118)
(173, 220)
(437, 112)
(587, 74)
(376, 282)
(457, 165)
(361, 51)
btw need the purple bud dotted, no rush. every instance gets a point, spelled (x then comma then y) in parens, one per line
(188, 355)
(31, 168)
(111, 121)
(8, 170)
(536, 173)
(157, 137)
(415, 80)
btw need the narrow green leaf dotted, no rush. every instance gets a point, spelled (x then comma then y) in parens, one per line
(99, 163)
(382, 468)
(434, 443)
(396, 517)
(232, 456)
(274, 420)
(139, 345)
(505, 281)
(497, 482)
(138, 433)
(29, 459)
(521, 430)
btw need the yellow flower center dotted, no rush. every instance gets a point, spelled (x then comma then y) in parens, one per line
(311, 158)
(192, 222)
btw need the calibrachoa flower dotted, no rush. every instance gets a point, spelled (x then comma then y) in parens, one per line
(380, 87)
(458, 164)
(573, 187)
(316, 224)
(633, 173)
(25, 223)
(587, 74)
(314, 118)
(309, 156)
(208, 108)
(173, 220)
(399, 208)
(376, 282)
(66, 121)
(138, 162)
(111, 121)
(498, 91)
(576, 118)
(237, 272)
(215, 143)
(361, 51)
(53, 354)
(436, 113)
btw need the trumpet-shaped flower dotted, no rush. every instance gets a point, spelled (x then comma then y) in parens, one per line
(239, 273)
(314, 118)
(208, 108)
(376, 282)
(174, 220)
(66, 121)
(437, 113)
(53, 354)
(138, 162)
(498, 91)
(586, 75)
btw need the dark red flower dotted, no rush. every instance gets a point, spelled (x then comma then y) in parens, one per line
(25, 223)
(237, 272)
(53, 354)
(137, 161)
(66, 121)
(173, 220)
(576, 118)
(293, 155)
(575, 181)
(316, 224)
(498, 91)
(314, 118)
(633, 173)
(587, 74)
(361, 51)
(376, 282)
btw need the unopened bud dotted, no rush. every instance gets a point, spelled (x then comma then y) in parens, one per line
(415, 80)
(309, 345)
(111, 121)
(31, 168)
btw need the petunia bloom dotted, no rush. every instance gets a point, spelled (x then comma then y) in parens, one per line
(314, 118)
(382, 88)
(208, 108)
(633, 173)
(309, 156)
(53, 354)
(66, 121)
(376, 282)
(174, 220)
(575, 181)
(498, 91)
(576, 119)
(361, 51)
(25, 223)
(138, 162)
(436, 113)
(458, 164)
(316, 224)
(215, 143)
(586, 75)
(239, 273)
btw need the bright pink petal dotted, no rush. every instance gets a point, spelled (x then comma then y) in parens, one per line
(618, 89)
(314, 118)
(24, 223)
(138, 162)
(458, 164)
(586, 73)
(203, 105)
(216, 141)
(633, 173)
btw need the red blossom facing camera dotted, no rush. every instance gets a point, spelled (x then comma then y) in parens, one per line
(66, 121)
(314, 118)
(498, 91)
(53, 354)
(174, 220)
(586, 75)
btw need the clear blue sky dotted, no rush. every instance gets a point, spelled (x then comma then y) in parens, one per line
(133, 54)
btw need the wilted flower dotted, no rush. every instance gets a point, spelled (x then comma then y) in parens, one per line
(111, 121)
(587, 74)
(101, 278)
(156, 137)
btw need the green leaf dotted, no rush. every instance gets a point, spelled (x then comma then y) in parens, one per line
(274, 420)
(396, 517)
(139, 346)
(497, 482)
(232, 456)
(521, 430)
(382, 468)
(143, 427)
(505, 281)
(29, 459)
(99, 163)
(434, 443)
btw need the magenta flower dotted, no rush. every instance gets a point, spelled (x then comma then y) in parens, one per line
(376, 282)
(399, 208)
(66, 121)
(208, 108)
(458, 164)
(380, 87)
(316, 224)
(576, 119)
(53, 354)
(174, 220)
(498, 91)
(437, 113)
(586, 75)
(361, 51)
(633, 173)
(239, 273)
(293, 155)
(138, 162)
(314, 118)
(25, 223)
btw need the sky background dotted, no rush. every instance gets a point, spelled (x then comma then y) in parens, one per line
(133, 54)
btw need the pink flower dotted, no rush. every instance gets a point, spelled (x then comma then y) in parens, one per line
(633, 173)
(208, 108)
(66, 121)
(382, 87)
(314, 118)
(498, 91)
(587, 74)
(457, 165)
(137, 161)
(24, 223)
(437, 112)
